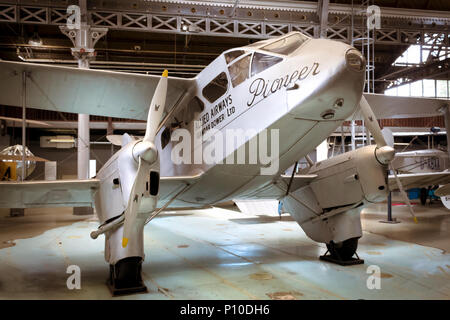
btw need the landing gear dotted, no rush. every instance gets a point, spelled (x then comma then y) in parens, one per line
(125, 277)
(423, 196)
(342, 253)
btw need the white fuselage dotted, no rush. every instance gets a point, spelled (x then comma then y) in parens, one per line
(317, 75)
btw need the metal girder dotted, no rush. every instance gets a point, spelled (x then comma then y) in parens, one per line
(322, 12)
(255, 19)
(426, 71)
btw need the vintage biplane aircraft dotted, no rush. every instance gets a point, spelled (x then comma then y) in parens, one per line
(292, 87)
(12, 160)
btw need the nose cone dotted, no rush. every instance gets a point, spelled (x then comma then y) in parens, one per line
(332, 90)
(145, 150)
(355, 60)
(384, 154)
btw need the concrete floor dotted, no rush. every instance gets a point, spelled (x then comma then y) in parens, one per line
(224, 254)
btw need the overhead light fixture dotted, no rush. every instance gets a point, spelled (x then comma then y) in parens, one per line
(56, 140)
(35, 40)
(187, 27)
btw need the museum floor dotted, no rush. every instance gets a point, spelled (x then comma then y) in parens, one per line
(224, 254)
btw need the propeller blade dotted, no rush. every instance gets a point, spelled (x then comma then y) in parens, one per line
(371, 122)
(147, 154)
(405, 196)
(134, 201)
(388, 137)
(156, 108)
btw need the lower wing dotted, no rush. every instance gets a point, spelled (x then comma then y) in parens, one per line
(419, 180)
(59, 193)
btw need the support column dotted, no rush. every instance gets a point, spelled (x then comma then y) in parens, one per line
(353, 134)
(322, 11)
(83, 147)
(446, 111)
(110, 131)
(84, 39)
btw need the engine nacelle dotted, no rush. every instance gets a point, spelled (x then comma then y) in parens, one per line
(116, 181)
(350, 178)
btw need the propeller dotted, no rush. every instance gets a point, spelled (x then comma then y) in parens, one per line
(146, 154)
(384, 153)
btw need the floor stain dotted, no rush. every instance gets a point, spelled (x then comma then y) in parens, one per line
(443, 270)
(282, 295)
(374, 253)
(261, 276)
(164, 291)
(378, 244)
(385, 275)
(183, 246)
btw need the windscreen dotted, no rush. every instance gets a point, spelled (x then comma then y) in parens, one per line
(286, 45)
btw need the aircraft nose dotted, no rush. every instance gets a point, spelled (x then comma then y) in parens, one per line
(334, 90)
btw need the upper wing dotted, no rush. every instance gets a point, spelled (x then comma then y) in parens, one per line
(385, 107)
(419, 180)
(59, 193)
(95, 92)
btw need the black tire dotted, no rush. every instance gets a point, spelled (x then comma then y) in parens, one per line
(126, 273)
(343, 250)
(423, 196)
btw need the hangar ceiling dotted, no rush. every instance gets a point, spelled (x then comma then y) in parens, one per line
(184, 36)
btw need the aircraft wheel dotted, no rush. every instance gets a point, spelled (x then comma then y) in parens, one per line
(423, 196)
(343, 250)
(125, 276)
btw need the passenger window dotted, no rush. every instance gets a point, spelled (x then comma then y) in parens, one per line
(239, 71)
(216, 88)
(262, 62)
(195, 106)
(165, 137)
(231, 56)
(286, 45)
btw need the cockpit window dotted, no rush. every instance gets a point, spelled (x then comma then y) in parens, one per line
(232, 55)
(262, 62)
(286, 45)
(216, 88)
(239, 70)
